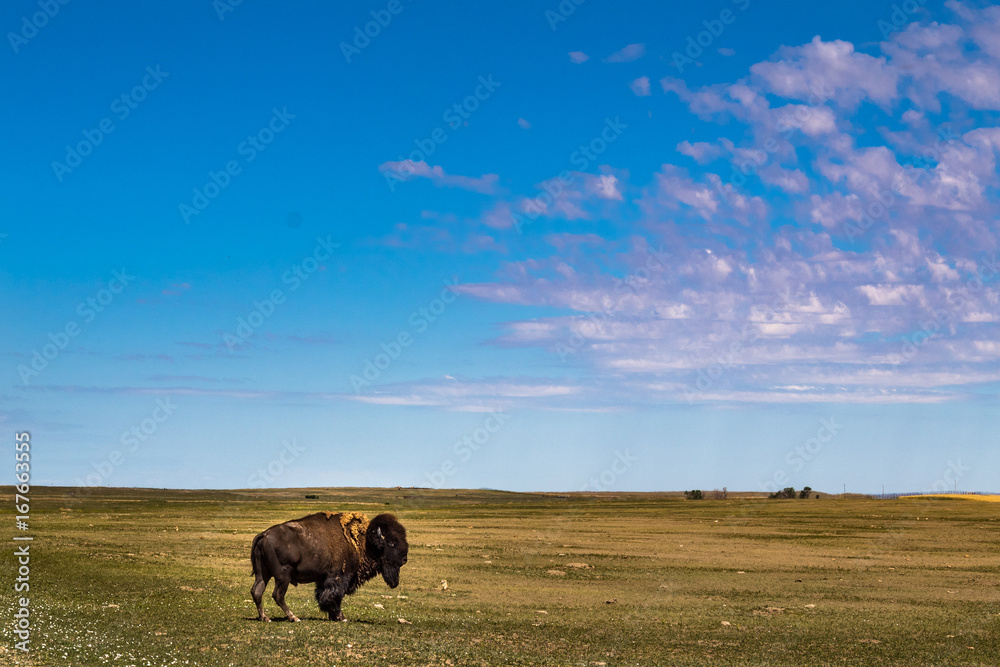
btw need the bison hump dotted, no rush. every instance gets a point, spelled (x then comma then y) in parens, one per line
(354, 525)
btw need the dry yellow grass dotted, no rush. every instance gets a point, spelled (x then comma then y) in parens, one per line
(962, 496)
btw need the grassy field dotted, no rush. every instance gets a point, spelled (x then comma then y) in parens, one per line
(151, 577)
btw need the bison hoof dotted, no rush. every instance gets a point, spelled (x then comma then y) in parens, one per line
(264, 618)
(294, 619)
(339, 616)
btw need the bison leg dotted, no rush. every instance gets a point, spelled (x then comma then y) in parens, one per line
(329, 596)
(257, 592)
(279, 597)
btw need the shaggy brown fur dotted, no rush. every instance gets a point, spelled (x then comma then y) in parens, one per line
(339, 552)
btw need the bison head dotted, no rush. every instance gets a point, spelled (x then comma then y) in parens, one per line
(386, 543)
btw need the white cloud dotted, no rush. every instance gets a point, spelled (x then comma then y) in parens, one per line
(627, 54)
(640, 86)
(702, 152)
(893, 295)
(406, 170)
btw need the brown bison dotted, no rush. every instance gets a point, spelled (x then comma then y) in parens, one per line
(339, 552)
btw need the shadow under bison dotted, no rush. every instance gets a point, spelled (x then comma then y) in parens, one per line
(339, 552)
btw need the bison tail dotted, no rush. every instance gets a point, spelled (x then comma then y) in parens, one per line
(256, 555)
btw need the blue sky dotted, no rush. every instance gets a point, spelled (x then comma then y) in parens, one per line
(737, 244)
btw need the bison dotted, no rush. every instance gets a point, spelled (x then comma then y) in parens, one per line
(339, 552)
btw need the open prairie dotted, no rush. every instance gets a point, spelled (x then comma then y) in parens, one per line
(159, 577)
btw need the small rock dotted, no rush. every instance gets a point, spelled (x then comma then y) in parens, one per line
(378, 605)
(541, 611)
(556, 573)
(726, 623)
(612, 601)
(403, 621)
(810, 606)
(580, 566)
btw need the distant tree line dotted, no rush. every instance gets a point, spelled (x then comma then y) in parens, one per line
(698, 494)
(787, 492)
(790, 492)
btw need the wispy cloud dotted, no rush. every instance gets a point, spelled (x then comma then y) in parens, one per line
(627, 54)
(406, 170)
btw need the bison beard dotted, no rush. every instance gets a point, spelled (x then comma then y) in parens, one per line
(339, 552)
